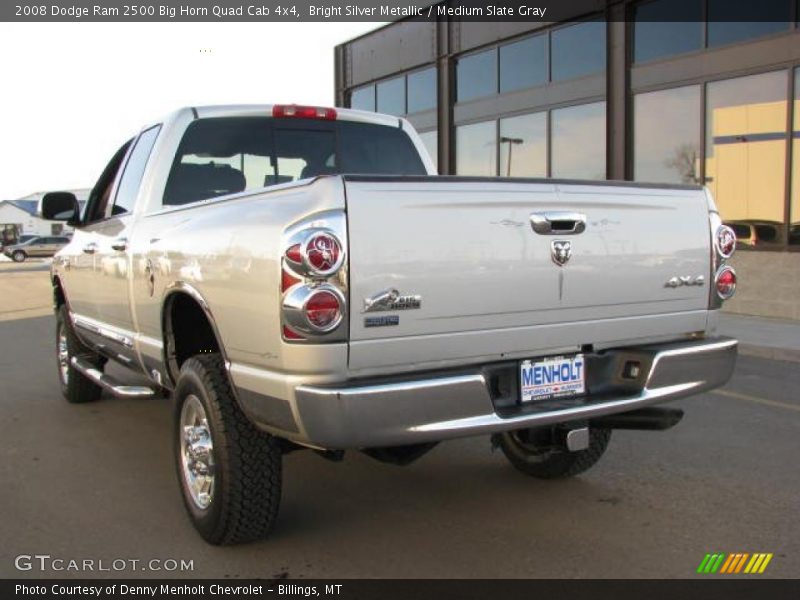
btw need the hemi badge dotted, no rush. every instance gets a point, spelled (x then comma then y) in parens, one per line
(382, 321)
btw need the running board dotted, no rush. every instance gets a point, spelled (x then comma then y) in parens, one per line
(107, 382)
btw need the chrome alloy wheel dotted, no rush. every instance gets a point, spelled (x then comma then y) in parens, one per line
(197, 452)
(63, 355)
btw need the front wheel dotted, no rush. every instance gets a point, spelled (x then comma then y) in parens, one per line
(229, 470)
(530, 451)
(18, 256)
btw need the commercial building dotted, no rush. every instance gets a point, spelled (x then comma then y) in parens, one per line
(652, 90)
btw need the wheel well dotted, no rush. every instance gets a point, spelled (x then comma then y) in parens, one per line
(187, 332)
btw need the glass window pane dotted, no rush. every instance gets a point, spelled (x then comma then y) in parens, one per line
(794, 221)
(578, 141)
(476, 149)
(523, 146)
(746, 149)
(579, 50)
(730, 22)
(523, 64)
(363, 98)
(392, 96)
(476, 75)
(431, 141)
(226, 155)
(422, 90)
(374, 150)
(666, 136)
(656, 35)
(128, 188)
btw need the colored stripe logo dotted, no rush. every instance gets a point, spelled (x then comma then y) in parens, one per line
(735, 563)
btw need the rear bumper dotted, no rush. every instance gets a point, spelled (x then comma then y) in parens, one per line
(438, 407)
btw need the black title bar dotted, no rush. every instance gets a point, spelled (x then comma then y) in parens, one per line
(784, 11)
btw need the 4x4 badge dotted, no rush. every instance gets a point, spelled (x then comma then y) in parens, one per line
(560, 251)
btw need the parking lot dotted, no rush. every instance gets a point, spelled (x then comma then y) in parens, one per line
(97, 482)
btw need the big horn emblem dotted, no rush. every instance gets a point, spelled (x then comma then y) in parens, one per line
(560, 251)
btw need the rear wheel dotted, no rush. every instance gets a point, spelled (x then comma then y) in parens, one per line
(75, 386)
(18, 256)
(229, 470)
(530, 451)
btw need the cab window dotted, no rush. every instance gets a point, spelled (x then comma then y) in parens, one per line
(228, 155)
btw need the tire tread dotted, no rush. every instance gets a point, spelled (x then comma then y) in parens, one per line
(252, 482)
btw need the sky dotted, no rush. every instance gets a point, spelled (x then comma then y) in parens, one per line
(72, 93)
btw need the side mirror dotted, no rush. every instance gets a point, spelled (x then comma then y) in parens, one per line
(61, 206)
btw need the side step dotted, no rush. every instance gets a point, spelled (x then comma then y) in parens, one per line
(107, 382)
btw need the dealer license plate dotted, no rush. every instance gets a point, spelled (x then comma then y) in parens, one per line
(552, 377)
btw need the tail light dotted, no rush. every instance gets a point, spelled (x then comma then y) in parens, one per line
(313, 283)
(725, 240)
(723, 245)
(323, 310)
(313, 310)
(725, 282)
(319, 253)
(293, 111)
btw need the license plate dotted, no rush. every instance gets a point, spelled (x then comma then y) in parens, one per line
(552, 377)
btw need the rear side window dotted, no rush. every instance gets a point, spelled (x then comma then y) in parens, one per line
(222, 156)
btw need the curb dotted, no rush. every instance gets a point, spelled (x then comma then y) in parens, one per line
(770, 352)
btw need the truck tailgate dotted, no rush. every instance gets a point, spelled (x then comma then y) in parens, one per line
(491, 286)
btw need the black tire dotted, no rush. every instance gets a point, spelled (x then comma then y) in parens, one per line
(547, 462)
(244, 496)
(75, 386)
(18, 256)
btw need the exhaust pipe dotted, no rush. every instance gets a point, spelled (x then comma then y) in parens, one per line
(647, 419)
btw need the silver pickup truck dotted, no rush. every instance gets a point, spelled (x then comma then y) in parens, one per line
(297, 277)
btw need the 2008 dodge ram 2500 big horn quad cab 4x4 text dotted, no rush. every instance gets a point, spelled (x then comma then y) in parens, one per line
(298, 277)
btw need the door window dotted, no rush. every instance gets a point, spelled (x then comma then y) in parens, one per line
(101, 193)
(134, 171)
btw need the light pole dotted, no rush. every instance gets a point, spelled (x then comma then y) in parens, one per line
(510, 141)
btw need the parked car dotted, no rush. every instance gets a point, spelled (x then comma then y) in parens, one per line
(756, 233)
(794, 233)
(11, 242)
(361, 302)
(36, 246)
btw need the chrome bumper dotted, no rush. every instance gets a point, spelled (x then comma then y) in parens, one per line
(399, 412)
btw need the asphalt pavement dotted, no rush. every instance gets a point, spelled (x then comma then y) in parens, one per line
(97, 482)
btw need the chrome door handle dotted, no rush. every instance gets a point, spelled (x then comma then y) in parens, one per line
(558, 222)
(90, 248)
(120, 244)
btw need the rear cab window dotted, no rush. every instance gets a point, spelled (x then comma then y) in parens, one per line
(228, 155)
